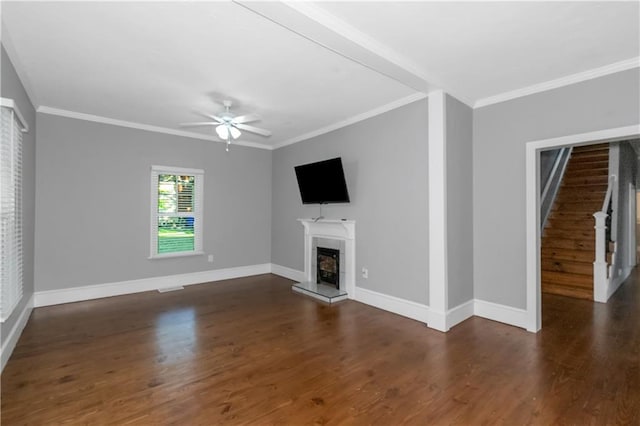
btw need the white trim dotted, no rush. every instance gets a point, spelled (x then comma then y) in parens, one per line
(139, 126)
(352, 120)
(396, 305)
(460, 313)
(560, 82)
(177, 170)
(10, 103)
(97, 291)
(532, 166)
(437, 159)
(615, 283)
(502, 313)
(10, 342)
(291, 274)
(416, 311)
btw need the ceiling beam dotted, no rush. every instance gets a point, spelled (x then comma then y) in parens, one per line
(320, 27)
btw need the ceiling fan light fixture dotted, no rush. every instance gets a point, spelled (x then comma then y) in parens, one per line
(235, 133)
(224, 130)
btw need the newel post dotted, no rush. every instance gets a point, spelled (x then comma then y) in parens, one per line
(600, 264)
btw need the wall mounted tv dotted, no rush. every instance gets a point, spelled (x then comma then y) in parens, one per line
(322, 182)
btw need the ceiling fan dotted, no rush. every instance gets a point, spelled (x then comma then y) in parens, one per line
(228, 125)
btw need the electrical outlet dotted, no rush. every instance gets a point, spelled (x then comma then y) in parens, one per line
(210, 258)
(365, 273)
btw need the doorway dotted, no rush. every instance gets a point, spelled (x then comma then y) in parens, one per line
(533, 233)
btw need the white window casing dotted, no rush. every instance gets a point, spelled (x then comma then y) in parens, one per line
(189, 212)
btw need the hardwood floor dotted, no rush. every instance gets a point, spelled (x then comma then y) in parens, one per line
(250, 351)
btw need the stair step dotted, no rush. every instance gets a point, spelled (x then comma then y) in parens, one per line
(589, 156)
(585, 180)
(592, 147)
(583, 234)
(577, 209)
(584, 164)
(565, 243)
(568, 254)
(568, 223)
(572, 267)
(576, 195)
(561, 290)
(564, 278)
(599, 171)
(586, 217)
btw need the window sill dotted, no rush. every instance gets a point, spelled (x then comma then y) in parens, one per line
(171, 255)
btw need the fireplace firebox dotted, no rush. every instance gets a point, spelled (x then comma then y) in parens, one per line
(328, 266)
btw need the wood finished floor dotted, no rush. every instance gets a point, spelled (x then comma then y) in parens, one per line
(250, 351)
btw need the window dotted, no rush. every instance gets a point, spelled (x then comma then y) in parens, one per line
(176, 211)
(10, 207)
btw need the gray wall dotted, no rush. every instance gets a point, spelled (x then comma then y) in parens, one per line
(93, 203)
(385, 161)
(500, 132)
(459, 131)
(12, 88)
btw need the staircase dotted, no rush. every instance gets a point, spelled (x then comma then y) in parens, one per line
(568, 240)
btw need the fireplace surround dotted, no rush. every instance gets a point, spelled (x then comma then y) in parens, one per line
(337, 235)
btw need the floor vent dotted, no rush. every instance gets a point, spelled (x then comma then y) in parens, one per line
(166, 289)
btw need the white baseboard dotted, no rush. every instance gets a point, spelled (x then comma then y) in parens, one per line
(406, 308)
(460, 313)
(283, 271)
(617, 282)
(502, 313)
(10, 342)
(77, 294)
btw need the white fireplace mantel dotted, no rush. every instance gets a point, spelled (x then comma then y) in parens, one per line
(336, 229)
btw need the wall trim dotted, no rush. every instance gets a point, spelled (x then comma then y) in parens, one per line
(12, 338)
(289, 273)
(352, 120)
(617, 282)
(532, 200)
(560, 82)
(502, 313)
(396, 305)
(97, 291)
(43, 109)
(437, 185)
(460, 313)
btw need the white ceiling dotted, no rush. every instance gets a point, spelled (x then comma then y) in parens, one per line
(303, 67)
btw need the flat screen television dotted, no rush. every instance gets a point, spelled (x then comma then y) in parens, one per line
(322, 182)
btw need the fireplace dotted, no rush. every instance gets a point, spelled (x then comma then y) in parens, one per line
(328, 267)
(328, 276)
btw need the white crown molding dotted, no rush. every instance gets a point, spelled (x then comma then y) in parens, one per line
(560, 82)
(11, 340)
(139, 126)
(352, 120)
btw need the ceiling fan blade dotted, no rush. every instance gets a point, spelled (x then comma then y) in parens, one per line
(252, 129)
(248, 118)
(213, 117)
(201, 123)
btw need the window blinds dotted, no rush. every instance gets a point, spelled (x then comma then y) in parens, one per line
(11, 254)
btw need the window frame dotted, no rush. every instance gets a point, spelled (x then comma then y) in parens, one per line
(197, 213)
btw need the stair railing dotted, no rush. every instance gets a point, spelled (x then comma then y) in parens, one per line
(552, 185)
(603, 235)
